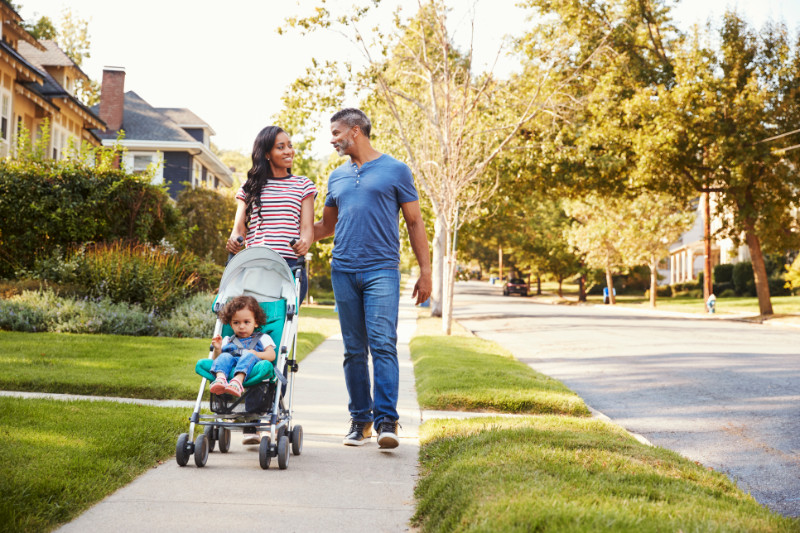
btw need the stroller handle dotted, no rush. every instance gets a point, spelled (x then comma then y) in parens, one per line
(301, 259)
(240, 240)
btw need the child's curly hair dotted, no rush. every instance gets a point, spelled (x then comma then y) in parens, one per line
(239, 303)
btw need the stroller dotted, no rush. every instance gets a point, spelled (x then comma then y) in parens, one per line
(262, 273)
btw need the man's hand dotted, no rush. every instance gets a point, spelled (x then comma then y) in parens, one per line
(423, 288)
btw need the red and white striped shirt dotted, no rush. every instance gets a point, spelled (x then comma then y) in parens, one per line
(277, 221)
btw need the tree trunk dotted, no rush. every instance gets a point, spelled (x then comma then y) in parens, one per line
(449, 286)
(439, 252)
(707, 281)
(759, 269)
(560, 292)
(653, 280)
(538, 285)
(500, 262)
(610, 284)
(582, 288)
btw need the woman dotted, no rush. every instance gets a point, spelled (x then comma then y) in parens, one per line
(275, 206)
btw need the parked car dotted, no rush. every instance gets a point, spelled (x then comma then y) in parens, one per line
(515, 286)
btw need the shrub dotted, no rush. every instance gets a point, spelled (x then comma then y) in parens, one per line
(48, 204)
(723, 273)
(727, 293)
(743, 280)
(38, 311)
(662, 291)
(719, 288)
(208, 215)
(192, 318)
(138, 274)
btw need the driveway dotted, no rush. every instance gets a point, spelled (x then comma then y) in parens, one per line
(720, 392)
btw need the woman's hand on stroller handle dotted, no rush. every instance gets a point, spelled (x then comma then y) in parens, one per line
(300, 246)
(233, 246)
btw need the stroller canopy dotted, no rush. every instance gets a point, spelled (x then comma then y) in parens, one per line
(259, 272)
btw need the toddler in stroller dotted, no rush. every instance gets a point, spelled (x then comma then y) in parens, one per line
(263, 380)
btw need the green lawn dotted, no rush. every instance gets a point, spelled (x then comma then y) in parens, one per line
(58, 458)
(470, 374)
(548, 472)
(561, 474)
(113, 365)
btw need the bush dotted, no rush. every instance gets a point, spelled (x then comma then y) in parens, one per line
(45, 311)
(192, 318)
(48, 204)
(208, 215)
(727, 293)
(743, 281)
(723, 273)
(151, 277)
(662, 291)
(719, 288)
(39, 311)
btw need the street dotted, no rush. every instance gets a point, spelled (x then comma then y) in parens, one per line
(720, 392)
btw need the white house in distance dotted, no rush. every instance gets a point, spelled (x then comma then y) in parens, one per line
(174, 138)
(687, 254)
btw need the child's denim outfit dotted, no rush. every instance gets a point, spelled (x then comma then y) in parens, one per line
(240, 358)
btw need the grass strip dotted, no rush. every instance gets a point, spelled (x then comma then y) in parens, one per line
(58, 458)
(565, 474)
(122, 366)
(471, 374)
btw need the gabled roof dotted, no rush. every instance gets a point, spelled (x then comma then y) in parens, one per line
(141, 121)
(49, 88)
(21, 64)
(183, 116)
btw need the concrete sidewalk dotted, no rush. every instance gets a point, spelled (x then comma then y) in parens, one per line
(330, 487)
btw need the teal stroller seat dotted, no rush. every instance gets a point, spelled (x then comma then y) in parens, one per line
(262, 273)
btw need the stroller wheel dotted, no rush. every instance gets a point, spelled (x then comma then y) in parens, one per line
(182, 452)
(283, 452)
(297, 440)
(264, 453)
(224, 440)
(209, 433)
(201, 450)
(280, 433)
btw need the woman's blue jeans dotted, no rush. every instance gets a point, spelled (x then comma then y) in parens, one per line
(368, 305)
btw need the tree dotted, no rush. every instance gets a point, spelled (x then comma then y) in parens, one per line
(720, 130)
(654, 222)
(599, 234)
(42, 29)
(450, 122)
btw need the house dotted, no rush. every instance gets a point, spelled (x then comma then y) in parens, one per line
(37, 84)
(174, 139)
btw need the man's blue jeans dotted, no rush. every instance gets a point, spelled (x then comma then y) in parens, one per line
(368, 304)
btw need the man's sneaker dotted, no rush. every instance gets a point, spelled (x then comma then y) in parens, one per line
(360, 433)
(387, 433)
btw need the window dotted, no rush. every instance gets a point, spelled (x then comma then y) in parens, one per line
(56, 142)
(5, 116)
(196, 177)
(141, 162)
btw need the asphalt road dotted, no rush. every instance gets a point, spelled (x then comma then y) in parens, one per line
(721, 392)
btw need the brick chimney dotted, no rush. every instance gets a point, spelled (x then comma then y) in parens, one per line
(112, 97)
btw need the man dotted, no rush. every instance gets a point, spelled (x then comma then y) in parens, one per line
(364, 198)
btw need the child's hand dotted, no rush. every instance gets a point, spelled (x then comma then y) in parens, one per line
(217, 342)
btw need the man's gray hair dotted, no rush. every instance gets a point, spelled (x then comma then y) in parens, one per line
(353, 117)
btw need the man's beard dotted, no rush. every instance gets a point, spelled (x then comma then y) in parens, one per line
(341, 147)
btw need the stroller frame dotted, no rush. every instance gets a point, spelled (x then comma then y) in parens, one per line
(283, 436)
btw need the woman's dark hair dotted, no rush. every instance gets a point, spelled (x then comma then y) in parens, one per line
(261, 171)
(239, 303)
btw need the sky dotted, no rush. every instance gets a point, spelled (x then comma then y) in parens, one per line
(231, 67)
